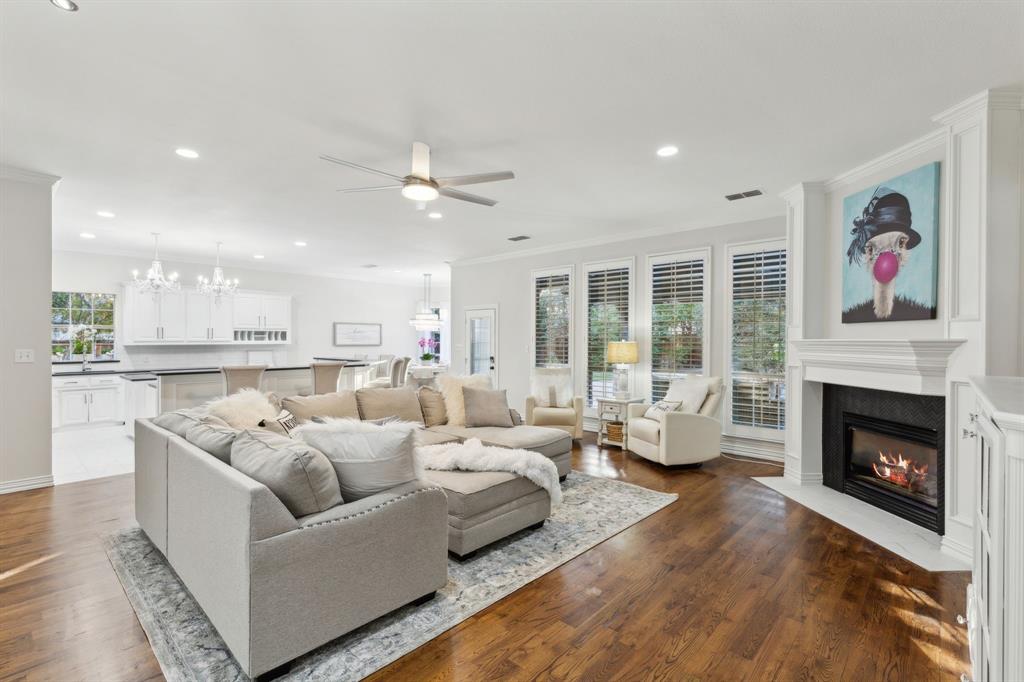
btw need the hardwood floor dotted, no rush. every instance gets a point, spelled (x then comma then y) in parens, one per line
(731, 582)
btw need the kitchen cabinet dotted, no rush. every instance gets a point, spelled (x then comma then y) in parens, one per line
(189, 317)
(208, 318)
(141, 400)
(83, 400)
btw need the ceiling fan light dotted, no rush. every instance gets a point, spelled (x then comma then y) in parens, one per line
(419, 191)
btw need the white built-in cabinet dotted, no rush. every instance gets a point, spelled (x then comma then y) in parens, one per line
(995, 597)
(189, 317)
(86, 400)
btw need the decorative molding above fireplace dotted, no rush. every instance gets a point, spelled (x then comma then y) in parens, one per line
(905, 365)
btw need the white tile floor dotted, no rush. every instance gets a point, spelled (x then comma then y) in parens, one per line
(95, 452)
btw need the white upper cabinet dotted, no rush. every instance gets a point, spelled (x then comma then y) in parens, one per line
(194, 318)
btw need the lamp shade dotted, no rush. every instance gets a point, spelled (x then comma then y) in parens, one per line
(623, 352)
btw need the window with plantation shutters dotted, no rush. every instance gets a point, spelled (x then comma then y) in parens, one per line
(678, 323)
(758, 342)
(552, 318)
(608, 289)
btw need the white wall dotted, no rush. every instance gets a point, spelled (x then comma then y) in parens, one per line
(508, 283)
(25, 232)
(317, 303)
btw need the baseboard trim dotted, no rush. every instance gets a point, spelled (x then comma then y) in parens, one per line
(30, 483)
(757, 449)
(957, 549)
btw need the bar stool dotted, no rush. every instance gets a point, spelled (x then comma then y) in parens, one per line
(325, 376)
(237, 377)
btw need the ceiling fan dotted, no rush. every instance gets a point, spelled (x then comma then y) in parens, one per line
(419, 186)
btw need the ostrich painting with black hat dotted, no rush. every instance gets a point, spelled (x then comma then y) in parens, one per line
(883, 245)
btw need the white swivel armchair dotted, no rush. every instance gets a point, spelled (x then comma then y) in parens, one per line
(553, 404)
(682, 437)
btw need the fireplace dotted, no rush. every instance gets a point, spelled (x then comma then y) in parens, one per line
(886, 449)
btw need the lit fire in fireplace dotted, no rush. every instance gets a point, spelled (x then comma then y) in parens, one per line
(900, 471)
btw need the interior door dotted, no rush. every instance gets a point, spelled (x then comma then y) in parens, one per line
(482, 341)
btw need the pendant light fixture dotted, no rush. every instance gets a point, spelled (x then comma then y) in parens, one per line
(155, 282)
(426, 320)
(219, 285)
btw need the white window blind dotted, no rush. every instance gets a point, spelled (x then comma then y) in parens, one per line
(607, 320)
(758, 358)
(552, 319)
(677, 321)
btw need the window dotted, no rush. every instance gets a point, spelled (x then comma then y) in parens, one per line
(552, 318)
(82, 324)
(608, 294)
(678, 317)
(758, 341)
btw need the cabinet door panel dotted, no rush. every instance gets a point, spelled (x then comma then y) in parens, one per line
(197, 317)
(172, 316)
(145, 316)
(222, 318)
(248, 311)
(277, 312)
(74, 407)
(103, 405)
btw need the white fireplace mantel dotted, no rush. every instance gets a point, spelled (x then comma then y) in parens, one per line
(905, 365)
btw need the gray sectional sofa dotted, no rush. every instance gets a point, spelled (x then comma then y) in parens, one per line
(276, 586)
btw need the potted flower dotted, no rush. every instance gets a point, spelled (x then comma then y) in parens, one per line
(81, 340)
(428, 350)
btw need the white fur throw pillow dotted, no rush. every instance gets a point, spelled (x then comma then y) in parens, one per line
(368, 458)
(451, 388)
(245, 409)
(689, 392)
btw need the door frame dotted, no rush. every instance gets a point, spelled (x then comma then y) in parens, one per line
(466, 311)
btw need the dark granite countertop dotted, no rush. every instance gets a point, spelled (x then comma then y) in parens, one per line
(163, 372)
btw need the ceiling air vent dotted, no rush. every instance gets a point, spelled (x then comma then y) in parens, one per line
(519, 238)
(744, 195)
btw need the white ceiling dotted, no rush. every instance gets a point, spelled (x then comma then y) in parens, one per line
(573, 97)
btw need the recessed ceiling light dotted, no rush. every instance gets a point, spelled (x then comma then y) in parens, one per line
(65, 5)
(435, 215)
(667, 150)
(396, 271)
(105, 214)
(258, 256)
(87, 235)
(300, 243)
(187, 153)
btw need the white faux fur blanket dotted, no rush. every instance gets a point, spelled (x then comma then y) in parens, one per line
(472, 455)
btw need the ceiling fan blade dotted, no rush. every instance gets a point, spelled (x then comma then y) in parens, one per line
(457, 180)
(349, 164)
(420, 160)
(368, 189)
(465, 196)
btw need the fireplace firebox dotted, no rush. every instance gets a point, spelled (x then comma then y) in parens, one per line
(886, 449)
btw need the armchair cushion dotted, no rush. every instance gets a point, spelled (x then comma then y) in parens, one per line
(689, 392)
(551, 387)
(645, 429)
(554, 416)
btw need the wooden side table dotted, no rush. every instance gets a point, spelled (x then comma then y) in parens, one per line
(613, 410)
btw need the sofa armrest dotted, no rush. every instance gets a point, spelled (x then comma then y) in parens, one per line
(634, 410)
(531, 404)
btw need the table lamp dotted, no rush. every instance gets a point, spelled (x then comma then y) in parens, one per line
(622, 354)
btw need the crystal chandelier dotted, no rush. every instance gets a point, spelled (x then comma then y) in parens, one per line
(155, 282)
(427, 320)
(219, 285)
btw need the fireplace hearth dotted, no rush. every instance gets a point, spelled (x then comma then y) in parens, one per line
(885, 448)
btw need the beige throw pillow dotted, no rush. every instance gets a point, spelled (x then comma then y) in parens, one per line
(305, 407)
(381, 403)
(485, 407)
(432, 405)
(301, 476)
(690, 392)
(451, 388)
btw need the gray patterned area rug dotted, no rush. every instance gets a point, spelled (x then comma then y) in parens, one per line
(189, 648)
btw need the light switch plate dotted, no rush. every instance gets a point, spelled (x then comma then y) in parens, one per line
(24, 355)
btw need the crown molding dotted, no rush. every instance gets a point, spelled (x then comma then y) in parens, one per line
(986, 100)
(29, 176)
(934, 139)
(601, 241)
(799, 190)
